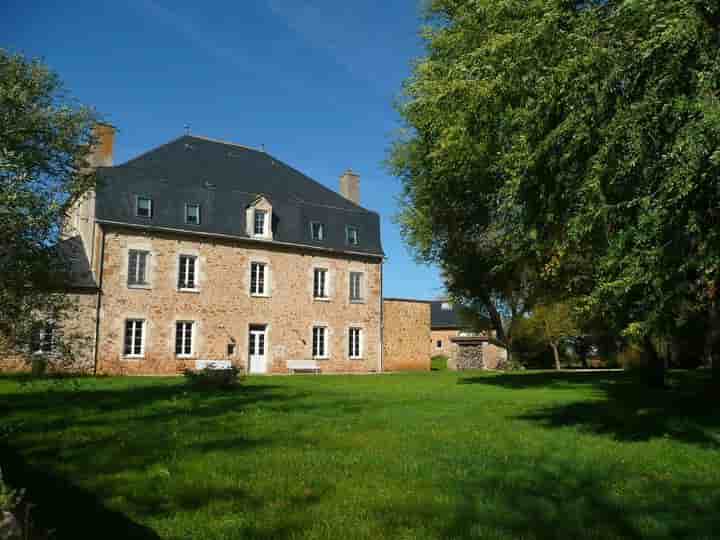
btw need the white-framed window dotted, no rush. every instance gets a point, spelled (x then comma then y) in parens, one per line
(43, 338)
(260, 223)
(356, 279)
(320, 285)
(187, 279)
(184, 338)
(134, 344)
(192, 214)
(446, 306)
(352, 236)
(319, 342)
(137, 267)
(258, 274)
(355, 343)
(317, 231)
(144, 207)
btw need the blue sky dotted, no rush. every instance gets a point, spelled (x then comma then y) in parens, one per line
(312, 80)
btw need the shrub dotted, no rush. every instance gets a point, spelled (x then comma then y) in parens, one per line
(213, 378)
(439, 362)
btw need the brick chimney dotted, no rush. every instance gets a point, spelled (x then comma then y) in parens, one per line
(101, 153)
(350, 186)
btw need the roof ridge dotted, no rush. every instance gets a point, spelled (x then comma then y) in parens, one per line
(229, 143)
(146, 152)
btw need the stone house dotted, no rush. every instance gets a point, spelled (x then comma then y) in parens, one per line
(202, 250)
(464, 348)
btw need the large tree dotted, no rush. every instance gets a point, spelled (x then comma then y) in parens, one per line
(44, 139)
(583, 137)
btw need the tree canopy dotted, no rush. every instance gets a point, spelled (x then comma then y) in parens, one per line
(578, 141)
(44, 138)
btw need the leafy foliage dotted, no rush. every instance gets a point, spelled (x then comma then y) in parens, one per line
(44, 139)
(576, 141)
(213, 378)
(552, 325)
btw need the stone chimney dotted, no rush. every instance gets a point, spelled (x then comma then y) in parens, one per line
(350, 186)
(101, 153)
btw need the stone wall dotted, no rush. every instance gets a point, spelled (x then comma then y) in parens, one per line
(468, 353)
(223, 309)
(77, 331)
(406, 333)
(444, 337)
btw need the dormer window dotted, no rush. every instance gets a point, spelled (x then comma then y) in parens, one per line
(446, 306)
(260, 223)
(259, 218)
(352, 236)
(192, 214)
(144, 207)
(317, 230)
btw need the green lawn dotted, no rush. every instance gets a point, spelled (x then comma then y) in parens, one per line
(436, 455)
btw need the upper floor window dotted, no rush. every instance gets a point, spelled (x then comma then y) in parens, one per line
(187, 272)
(137, 267)
(257, 278)
(356, 285)
(144, 207)
(354, 343)
(318, 231)
(260, 223)
(43, 338)
(320, 289)
(319, 342)
(184, 338)
(446, 306)
(134, 337)
(192, 214)
(352, 236)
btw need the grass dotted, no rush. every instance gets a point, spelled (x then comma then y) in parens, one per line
(439, 362)
(425, 456)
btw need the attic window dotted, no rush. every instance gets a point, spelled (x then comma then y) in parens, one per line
(317, 230)
(144, 207)
(446, 306)
(352, 236)
(192, 214)
(259, 223)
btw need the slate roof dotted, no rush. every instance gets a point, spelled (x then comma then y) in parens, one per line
(225, 178)
(441, 318)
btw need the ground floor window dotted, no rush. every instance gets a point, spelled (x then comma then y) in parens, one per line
(438, 344)
(319, 342)
(354, 342)
(184, 338)
(134, 337)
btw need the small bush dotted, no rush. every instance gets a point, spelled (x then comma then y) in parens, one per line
(213, 378)
(439, 362)
(9, 498)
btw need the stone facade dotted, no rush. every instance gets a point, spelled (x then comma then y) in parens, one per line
(223, 310)
(443, 338)
(406, 331)
(77, 332)
(468, 353)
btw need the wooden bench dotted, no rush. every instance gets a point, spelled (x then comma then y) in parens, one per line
(303, 365)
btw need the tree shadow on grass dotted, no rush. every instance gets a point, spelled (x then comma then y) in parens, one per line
(622, 406)
(126, 443)
(71, 512)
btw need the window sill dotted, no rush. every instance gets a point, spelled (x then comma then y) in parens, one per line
(322, 299)
(186, 356)
(358, 301)
(258, 295)
(133, 357)
(196, 291)
(261, 237)
(140, 286)
(354, 358)
(321, 358)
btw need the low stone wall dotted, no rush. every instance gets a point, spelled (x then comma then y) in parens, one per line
(406, 334)
(467, 353)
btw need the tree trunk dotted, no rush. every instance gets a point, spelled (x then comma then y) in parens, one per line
(655, 365)
(712, 343)
(556, 354)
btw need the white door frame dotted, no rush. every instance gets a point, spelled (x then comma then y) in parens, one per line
(257, 349)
